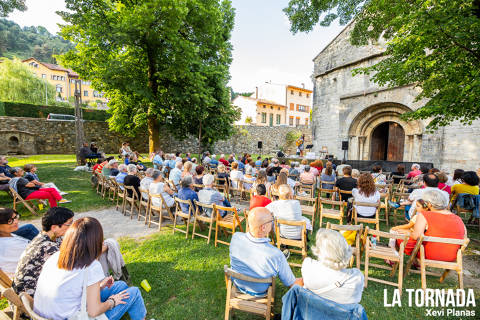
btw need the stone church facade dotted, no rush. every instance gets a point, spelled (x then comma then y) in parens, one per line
(355, 109)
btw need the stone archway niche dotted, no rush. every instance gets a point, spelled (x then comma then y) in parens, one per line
(362, 130)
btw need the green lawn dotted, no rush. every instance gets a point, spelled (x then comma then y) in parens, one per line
(186, 276)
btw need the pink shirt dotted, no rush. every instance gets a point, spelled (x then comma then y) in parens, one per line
(307, 177)
(413, 174)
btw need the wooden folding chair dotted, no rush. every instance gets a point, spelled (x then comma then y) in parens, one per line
(131, 200)
(375, 220)
(357, 247)
(384, 197)
(230, 221)
(185, 216)
(327, 194)
(120, 195)
(456, 265)
(29, 204)
(143, 204)
(309, 207)
(27, 302)
(396, 197)
(221, 184)
(236, 189)
(245, 302)
(198, 186)
(385, 252)
(171, 185)
(336, 210)
(100, 179)
(302, 243)
(307, 190)
(160, 210)
(112, 189)
(7, 292)
(201, 219)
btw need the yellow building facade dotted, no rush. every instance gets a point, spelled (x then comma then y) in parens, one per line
(64, 82)
(299, 104)
(270, 113)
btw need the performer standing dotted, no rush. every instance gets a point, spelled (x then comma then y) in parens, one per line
(300, 144)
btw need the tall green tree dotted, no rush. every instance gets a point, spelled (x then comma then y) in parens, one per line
(7, 6)
(433, 44)
(19, 84)
(162, 63)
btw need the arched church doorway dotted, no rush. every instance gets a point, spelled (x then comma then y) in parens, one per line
(387, 142)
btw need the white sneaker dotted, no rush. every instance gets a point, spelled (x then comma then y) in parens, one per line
(63, 193)
(64, 201)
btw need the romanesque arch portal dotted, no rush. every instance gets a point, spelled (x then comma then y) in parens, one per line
(378, 133)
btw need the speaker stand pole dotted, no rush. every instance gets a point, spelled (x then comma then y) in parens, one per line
(344, 154)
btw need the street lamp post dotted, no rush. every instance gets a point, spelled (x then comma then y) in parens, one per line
(79, 133)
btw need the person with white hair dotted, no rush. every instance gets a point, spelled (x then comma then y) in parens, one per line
(223, 161)
(120, 177)
(111, 169)
(268, 260)
(337, 282)
(146, 181)
(415, 171)
(187, 192)
(158, 160)
(206, 160)
(176, 174)
(158, 186)
(208, 195)
(435, 220)
(132, 180)
(286, 208)
(213, 161)
(235, 175)
(248, 178)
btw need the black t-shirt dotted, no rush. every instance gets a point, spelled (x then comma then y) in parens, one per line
(347, 184)
(273, 170)
(397, 180)
(134, 181)
(22, 189)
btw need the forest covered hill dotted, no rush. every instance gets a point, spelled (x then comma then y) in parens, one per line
(29, 42)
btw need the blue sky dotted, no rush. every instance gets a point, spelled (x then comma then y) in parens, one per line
(264, 48)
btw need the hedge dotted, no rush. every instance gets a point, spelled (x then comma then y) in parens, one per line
(15, 109)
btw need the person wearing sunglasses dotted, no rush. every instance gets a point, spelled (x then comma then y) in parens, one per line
(55, 223)
(13, 240)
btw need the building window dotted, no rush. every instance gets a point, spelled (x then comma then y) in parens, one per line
(44, 76)
(292, 106)
(291, 92)
(264, 106)
(85, 93)
(271, 120)
(271, 107)
(300, 94)
(290, 121)
(308, 95)
(264, 117)
(302, 108)
(59, 88)
(297, 121)
(97, 94)
(306, 121)
(279, 119)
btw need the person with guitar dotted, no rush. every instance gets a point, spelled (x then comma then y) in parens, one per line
(300, 144)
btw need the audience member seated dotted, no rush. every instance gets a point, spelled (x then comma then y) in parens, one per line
(248, 179)
(95, 166)
(99, 168)
(208, 195)
(125, 149)
(198, 179)
(158, 161)
(133, 159)
(187, 192)
(378, 176)
(336, 283)
(400, 172)
(430, 182)
(286, 208)
(122, 173)
(131, 180)
(258, 163)
(235, 174)
(213, 161)
(317, 164)
(158, 186)
(84, 153)
(294, 170)
(366, 193)
(339, 170)
(269, 261)
(259, 200)
(222, 174)
(146, 181)
(415, 171)
(206, 159)
(355, 174)
(292, 183)
(261, 179)
(13, 240)
(346, 183)
(328, 175)
(31, 176)
(5, 174)
(187, 169)
(94, 148)
(469, 185)
(442, 182)
(223, 161)
(435, 220)
(61, 280)
(307, 176)
(111, 169)
(176, 174)
(281, 180)
(28, 190)
(55, 223)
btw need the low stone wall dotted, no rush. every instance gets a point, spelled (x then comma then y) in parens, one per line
(39, 136)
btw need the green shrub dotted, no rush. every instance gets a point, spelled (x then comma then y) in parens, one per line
(14, 109)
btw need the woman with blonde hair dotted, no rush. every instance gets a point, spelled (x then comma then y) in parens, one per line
(337, 283)
(261, 179)
(187, 169)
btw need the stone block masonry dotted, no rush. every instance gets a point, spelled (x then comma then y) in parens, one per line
(39, 136)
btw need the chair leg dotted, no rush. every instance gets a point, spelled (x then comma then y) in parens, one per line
(210, 232)
(174, 223)
(444, 275)
(188, 225)
(422, 269)
(460, 278)
(366, 267)
(216, 234)
(194, 225)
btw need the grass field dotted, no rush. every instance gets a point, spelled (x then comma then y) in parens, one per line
(186, 276)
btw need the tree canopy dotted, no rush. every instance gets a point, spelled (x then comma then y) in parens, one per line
(7, 6)
(433, 44)
(164, 64)
(19, 84)
(29, 42)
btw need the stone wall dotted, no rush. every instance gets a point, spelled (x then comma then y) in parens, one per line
(39, 136)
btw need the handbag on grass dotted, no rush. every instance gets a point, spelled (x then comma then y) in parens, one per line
(82, 314)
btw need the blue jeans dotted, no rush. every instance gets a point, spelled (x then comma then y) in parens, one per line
(27, 231)
(134, 304)
(407, 212)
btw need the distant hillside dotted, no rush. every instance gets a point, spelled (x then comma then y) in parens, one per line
(30, 42)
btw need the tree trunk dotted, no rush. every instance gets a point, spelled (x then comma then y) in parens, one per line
(200, 140)
(153, 134)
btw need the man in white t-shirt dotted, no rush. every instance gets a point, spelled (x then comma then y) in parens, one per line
(288, 209)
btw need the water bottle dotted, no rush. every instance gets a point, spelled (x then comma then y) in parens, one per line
(373, 241)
